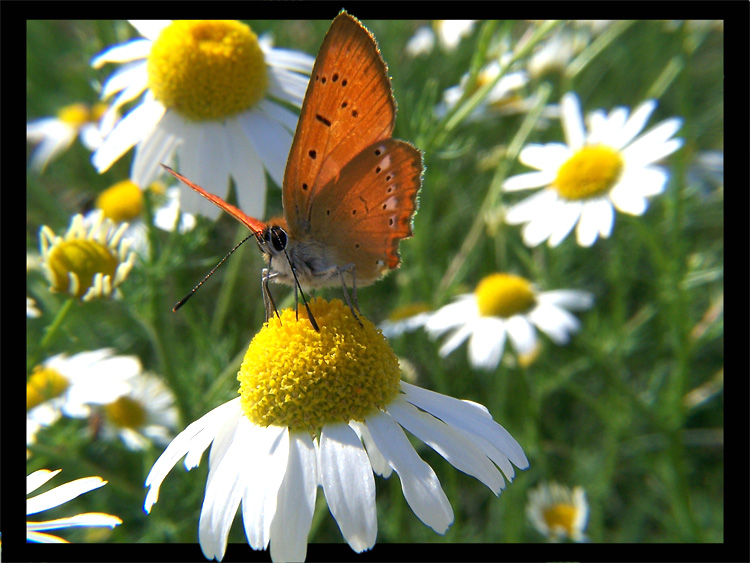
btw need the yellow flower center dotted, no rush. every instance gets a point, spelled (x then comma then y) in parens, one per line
(207, 70)
(296, 377)
(126, 413)
(504, 295)
(75, 114)
(84, 259)
(561, 517)
(43, 385)
(590, 172)
(121, 202)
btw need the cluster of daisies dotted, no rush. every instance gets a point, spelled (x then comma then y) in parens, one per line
(322, 408)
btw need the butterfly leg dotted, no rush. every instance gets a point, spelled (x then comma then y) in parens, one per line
(268, 302)
(352, 269)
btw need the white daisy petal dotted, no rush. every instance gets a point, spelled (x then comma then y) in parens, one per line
(130, 79)
(468, 417)
(287, 86)
(567, 298)
(346, 475)
(521, 333)
(462, 310)
(62, 494)
(568, 214)
(38, 478)
(528, 180)
(155, 151)
(289, 59)
(130, 51)
(296, 501)
(456, 339)
(572, 121)
(379, 463)
(133, 128)
(419, 483)
(546, 157)
(271, 141)
(487, 342)
(448, 442)
(533, 206)
(593, 221)
(271, 447)
(655, 144)
(635, 124)
(555, 322)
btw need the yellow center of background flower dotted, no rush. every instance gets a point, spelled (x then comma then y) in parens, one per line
(207, 70)
(296, 377)
(590, 172)
(44, 384)
(504, 295)
(126, 413)
(121, 202)
(560, 517)
(84, 259)
(75, 114)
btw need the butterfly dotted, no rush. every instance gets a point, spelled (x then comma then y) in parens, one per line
(350, 190)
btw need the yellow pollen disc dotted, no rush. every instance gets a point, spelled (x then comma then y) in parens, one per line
(126, 413)
(84, 258)
(44, 384)
(121, 202)
(504, 295)
(296, 377)
(560, 516)
(75, 114)
(590, 172)
(207, 70)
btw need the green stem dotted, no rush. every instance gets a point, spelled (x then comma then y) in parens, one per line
(50, 333)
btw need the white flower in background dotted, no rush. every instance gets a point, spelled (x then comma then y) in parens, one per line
(557, 512)
(448, 32)
(207, 90)
(328, 409)
(31, 311)
(599, 169)
(89, 261)
(405, 319)
(145, 414)
(504, 97)
(124, 202)
(506, 306)
(36, 531)
(68, 386)
(55, 134)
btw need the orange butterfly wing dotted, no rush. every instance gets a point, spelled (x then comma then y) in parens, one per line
(371, 203)
(348, 106)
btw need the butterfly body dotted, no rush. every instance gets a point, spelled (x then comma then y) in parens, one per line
(350, 189)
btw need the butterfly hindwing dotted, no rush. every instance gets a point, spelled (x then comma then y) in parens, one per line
(372, 203)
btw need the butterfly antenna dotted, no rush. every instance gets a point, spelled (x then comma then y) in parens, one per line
(184, 300)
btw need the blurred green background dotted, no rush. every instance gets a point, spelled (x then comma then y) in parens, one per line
(631, 409)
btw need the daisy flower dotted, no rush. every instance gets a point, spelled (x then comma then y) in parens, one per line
(69, 385)
(88, 261)
(328, 409)
(598, 170)
(557, 512)
(449, 33)
(124, 202)
(145, 414)
(503, 97)
(54, 135)
(506, 306)
(207, 98)
(35, 531)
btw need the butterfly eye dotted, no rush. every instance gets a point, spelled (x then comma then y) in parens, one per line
(277, 237)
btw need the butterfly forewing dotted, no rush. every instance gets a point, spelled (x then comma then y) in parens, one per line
(371, 202)
(348, 106)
